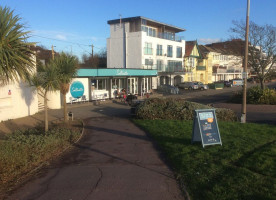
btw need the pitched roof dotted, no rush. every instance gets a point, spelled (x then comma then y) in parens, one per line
(232, 47)
(189, 47)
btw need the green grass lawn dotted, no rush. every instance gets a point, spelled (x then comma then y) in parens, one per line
(244, 167)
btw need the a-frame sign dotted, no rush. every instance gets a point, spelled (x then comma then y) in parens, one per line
(205, 127)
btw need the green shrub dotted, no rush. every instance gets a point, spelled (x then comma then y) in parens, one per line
(177, 109)
(22, 151)
(255, 95)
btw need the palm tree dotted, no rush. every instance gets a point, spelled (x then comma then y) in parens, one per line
(67, 66)
(16, 60)
(46, 80)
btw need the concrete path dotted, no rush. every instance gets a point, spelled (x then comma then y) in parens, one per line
(114, 160)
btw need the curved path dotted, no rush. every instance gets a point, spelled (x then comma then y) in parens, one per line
(114, 160)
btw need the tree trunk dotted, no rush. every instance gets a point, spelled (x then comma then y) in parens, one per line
(46, 112)
(262, 84)
(65, 108)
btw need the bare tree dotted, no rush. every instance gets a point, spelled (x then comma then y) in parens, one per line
(262, 47)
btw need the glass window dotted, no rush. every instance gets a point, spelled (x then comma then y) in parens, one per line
(144, 22)
(153, 32)
(159, 50)
(150, 32)
(159, 65)
(192, 62)
(148, 49)
(179, 52)
(101, 84)
(169, 51)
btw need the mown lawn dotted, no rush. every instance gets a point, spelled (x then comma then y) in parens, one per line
(23, 151)
(244, 167)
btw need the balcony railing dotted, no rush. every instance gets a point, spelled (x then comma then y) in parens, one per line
(167, 68)
(170, 37)
(201, 68)
(229, 70)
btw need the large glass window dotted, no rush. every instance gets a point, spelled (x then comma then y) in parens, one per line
(149, 30)
(159, 51)
(170, 51)
(179, 52)
(159, 64)
(148, 49)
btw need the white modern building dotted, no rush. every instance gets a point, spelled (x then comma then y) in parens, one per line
(142, 43)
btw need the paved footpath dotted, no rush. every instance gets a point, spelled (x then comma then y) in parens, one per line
(114, 160)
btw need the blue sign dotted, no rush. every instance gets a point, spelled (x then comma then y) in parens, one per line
(77, 89)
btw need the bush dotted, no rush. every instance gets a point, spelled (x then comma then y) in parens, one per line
(22, 151)
(177, 109)
(255, 95)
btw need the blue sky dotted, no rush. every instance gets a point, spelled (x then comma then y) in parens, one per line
(73, 25)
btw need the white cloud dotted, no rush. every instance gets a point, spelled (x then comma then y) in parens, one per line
(208, 40)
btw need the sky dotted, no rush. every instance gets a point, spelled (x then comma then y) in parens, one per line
(74, 25)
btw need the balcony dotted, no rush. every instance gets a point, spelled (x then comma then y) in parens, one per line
(200, 68)
(167, 68)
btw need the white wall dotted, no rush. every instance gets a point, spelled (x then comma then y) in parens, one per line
(135, 43)
(21, 102)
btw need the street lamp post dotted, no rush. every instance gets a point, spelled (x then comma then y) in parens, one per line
(243, 116)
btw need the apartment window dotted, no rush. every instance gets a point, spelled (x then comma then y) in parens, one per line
(159, 64)
(148, 49)
(174, 66)
(149, 30)
(179, 52)
(192, 62)
(169, 51)
(149, 62)
(159, 51)
(144, 22)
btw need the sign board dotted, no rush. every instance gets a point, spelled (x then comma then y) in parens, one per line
(237, 82)
(77, 89)
(244, 75)
(205, 127)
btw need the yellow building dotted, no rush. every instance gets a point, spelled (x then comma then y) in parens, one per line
(196, 63)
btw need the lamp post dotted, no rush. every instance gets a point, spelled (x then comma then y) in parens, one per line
(243, 115)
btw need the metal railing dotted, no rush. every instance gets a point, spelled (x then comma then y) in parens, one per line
(167, 68)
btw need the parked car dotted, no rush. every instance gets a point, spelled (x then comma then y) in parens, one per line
(188, 85)
(168, 89)
(202, 86)
(225, 83)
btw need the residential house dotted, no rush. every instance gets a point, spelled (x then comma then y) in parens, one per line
(142, 43)
(225, 58)
(195, 63)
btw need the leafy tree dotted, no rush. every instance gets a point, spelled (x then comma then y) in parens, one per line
(262, 47)
(66, 66)
(46, 80)
(16, 60)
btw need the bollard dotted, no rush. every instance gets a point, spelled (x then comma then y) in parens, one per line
(70, 115)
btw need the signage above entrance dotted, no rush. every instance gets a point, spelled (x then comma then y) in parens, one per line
(116, 72)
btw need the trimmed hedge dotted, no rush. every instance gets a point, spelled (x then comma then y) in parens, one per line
(177, 109)
(256, 95)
